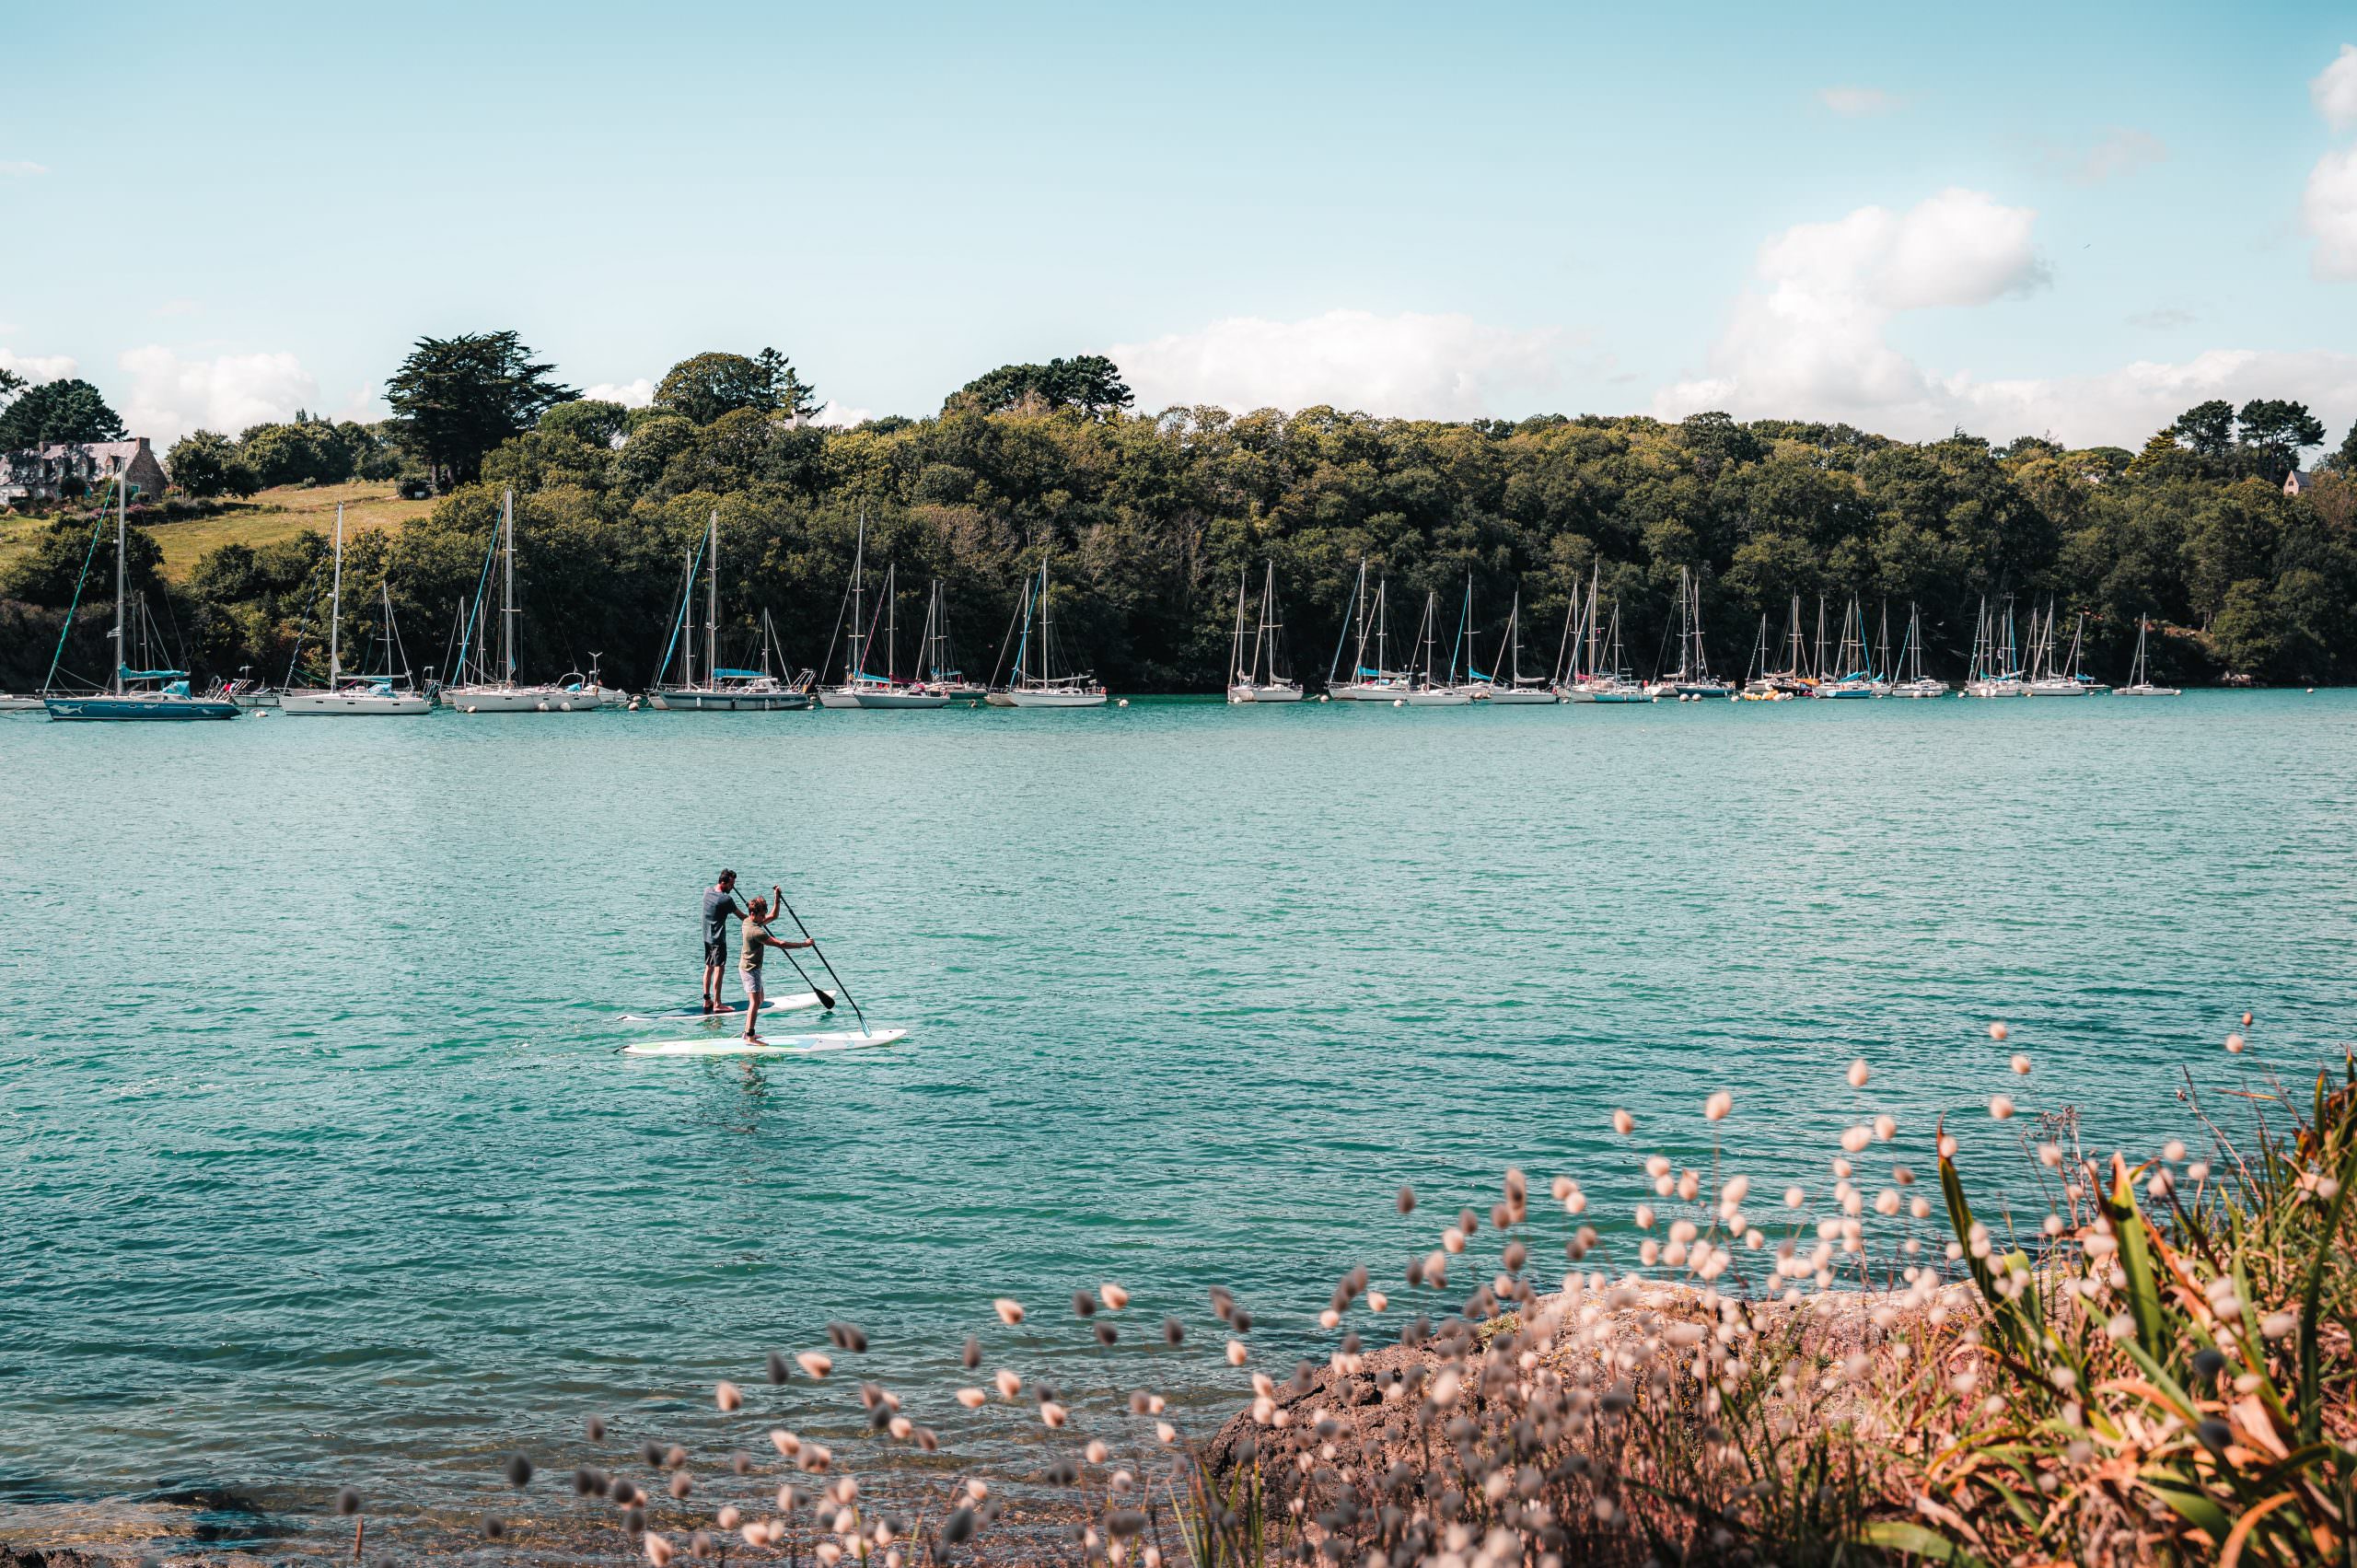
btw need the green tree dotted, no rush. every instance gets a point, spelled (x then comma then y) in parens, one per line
(456, 399)
(47, 571)
(57, 410)
(2345, 459)
(304, 450)
(205, 463)
(2276, 432)
(589, 420)
(10, 385)
(2208, 428)
(710, 385)
(1089, 382)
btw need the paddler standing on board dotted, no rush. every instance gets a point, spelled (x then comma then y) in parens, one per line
(749, 960)
(720, 907)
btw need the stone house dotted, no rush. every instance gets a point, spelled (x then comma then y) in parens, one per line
(74, 467)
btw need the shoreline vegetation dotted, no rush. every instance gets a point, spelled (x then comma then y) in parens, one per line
(1151, 519)
(2113, 1358)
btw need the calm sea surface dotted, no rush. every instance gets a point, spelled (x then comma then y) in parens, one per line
(320, 1166)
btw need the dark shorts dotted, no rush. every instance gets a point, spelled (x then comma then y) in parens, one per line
(716, 952)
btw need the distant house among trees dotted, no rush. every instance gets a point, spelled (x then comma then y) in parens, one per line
(2296, 484)
(65, 469)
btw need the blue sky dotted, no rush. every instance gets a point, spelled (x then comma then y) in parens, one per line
(2073, 219)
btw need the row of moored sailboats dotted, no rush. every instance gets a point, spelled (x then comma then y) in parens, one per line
(1591, 664)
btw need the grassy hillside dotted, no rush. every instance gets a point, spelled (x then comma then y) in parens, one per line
(269, 517)
(274, 515)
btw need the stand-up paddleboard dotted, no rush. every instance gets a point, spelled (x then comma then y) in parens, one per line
(797, 1003)
(769, 1045)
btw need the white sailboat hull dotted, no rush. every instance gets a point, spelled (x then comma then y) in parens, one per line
(1054, 699)
(2058, 688)
(1438, 697)
(1521, 697)
(1926, 687)
(355, 704)
(1368, 692)
(524, 699)
(10, 703)
(1285, 692)
(695, 700)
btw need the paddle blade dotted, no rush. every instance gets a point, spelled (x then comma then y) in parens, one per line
(824, 1000)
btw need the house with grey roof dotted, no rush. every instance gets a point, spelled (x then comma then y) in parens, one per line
(76, 468)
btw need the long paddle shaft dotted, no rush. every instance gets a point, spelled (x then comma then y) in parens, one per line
(830, 968)
(824, 1000)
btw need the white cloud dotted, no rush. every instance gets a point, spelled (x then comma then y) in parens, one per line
(630, 394)
(20, 165)
(1810, 341)
(2117, 152)
(171, 396)
(1408, 366)
(2334, 91)
(2329, 207)
(38, 367)
(836, 414)
(1853, 102)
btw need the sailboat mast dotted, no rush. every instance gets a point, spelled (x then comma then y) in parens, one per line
(1236, 658)
(858, 598)
(335, 606)
(712, 603)
(508, 599)
(122, 580)
(1263, 637)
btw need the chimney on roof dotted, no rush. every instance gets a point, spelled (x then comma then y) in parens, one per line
(143, 442)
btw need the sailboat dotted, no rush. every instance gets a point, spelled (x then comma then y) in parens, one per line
(480, 688)
(1855, 678)
(722, 690)
(1370, 623)
(2061, 677)
(390, 693)
(1596, 673)
(938, 661)
(1427, 688)
(1036, 684)
(1612, 682)
(1516, 690)
(1255, 679)
(132, 693)
(1992, 673)
(2140, 674)
(1910, 658)
(1759, 685)
(1793, 680)
(862, 687)
(1693, 679)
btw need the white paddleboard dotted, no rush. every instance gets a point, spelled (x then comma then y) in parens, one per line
(795, 1003)
(768, 1045)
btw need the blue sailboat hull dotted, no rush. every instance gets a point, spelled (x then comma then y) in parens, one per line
(139, 707)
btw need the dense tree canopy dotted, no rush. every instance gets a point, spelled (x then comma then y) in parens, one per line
(1090, 382)
(1148, 521)
(455, 400)
(709, 386)
(57, 410)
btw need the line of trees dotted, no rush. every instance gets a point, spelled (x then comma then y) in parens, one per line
(1151, 518)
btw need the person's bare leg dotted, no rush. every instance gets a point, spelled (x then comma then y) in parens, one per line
(753, 1012)
(712, 988)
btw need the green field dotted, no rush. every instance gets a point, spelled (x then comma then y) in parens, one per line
(267, 517)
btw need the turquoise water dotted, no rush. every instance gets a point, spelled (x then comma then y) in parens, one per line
(321, 1167)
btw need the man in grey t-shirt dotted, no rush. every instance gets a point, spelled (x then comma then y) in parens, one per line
(720, 912)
